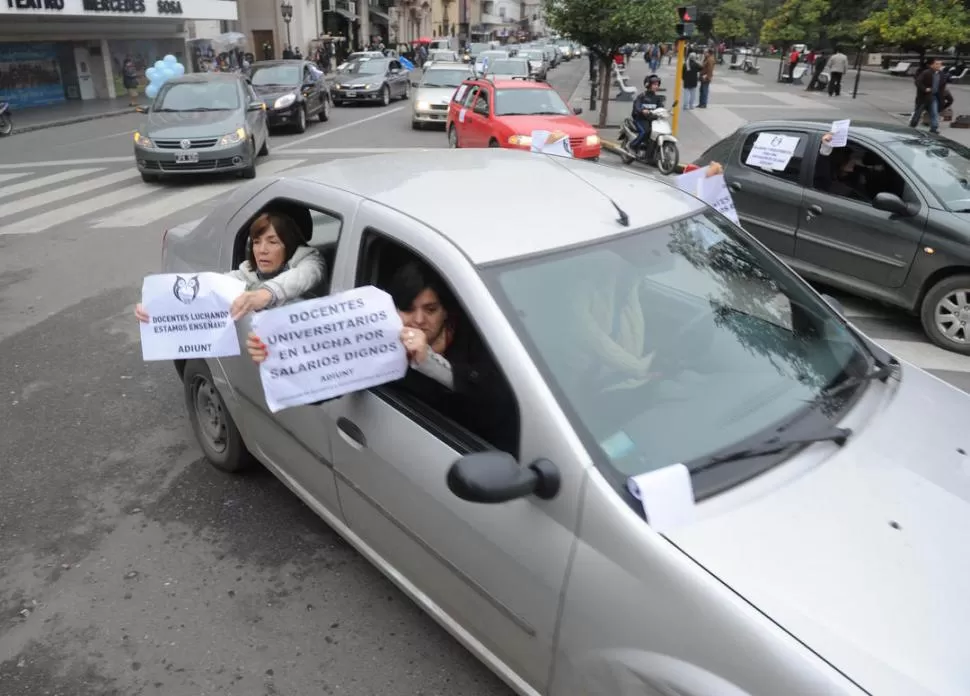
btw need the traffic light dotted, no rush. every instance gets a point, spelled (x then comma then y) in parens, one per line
(685, 27)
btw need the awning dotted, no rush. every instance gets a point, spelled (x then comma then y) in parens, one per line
(380, 15)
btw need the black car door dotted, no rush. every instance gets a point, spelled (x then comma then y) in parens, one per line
(768, 200)
(311, 91)
(842, 235)
(396, 77)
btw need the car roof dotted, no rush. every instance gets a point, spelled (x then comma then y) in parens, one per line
(875, 130)
(198, 78)
(492, 203)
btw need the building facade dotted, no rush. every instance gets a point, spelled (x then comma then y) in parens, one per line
(500, 20)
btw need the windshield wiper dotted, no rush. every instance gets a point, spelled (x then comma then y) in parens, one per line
(775, 445)
(882, 371)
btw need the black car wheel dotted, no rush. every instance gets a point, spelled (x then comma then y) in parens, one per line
(407, 91)
(214, 428)
(453, 138)
(385, 95)
(325, 111)
(945, 314)
(300, 124)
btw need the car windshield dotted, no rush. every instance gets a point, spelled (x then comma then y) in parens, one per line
(944, 166)
(365, 67)
(492, 56)
(533, 55)
(738, 342)
(197, 96)
(517, 102)
(445, 77)
(275, 75)
(477, 48)
(509, 67)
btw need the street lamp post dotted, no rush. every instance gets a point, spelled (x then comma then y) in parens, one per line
(858, 66)
(286, 9)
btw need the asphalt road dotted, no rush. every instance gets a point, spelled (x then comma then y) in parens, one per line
(128, 565)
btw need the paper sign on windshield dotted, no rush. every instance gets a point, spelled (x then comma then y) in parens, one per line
(667, 496)
(772, 151)
(327, 347)
(189, 316)
(551, 143)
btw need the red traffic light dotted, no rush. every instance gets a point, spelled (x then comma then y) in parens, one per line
(687, 13)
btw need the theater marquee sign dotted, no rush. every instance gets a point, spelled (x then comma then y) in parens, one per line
(163, 9)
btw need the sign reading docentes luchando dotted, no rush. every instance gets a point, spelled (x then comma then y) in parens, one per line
(182, 9)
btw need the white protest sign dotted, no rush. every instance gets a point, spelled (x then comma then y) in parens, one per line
(840, 133)
(667, 496)
(461, 115)
(772, 151)
(692, 182)
(551, 143)
(714, 192)
(330, 346)
(189, 316)
(460, 93)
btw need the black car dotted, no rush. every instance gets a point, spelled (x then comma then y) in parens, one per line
(372, 80)
(887, 217)
(293, 90)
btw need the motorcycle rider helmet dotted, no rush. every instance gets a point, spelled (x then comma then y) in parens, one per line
(651, 79)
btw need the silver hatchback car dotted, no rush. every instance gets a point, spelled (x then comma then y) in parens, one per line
(637, 350)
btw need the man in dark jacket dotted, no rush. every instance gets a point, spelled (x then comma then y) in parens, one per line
(643, 105)
(930, 89)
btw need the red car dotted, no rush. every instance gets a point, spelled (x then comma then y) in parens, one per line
(504, 113)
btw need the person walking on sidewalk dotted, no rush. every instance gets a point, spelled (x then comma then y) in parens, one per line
(707, 74)
(129, 79)
(692, 71)
(930, 88)
(837, 66)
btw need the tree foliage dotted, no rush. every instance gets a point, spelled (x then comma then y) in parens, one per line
(920, 24)
(604, 26)
(817, 22)
(734, 20)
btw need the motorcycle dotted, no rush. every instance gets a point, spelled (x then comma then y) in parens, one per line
(6, 120)
(660, 149)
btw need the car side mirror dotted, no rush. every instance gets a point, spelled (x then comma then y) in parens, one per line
(256, 106)
(891, 203)
(577, 110)
(141, 110)
(496, 477)
(834, 304)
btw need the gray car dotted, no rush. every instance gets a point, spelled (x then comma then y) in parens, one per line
(371, 81)
(202, 123)
(509, 69)
(434, 91)
(671, 466)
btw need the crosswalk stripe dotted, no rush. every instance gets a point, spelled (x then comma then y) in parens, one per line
(45, 181)
(139, 215)
(15, 175)
(44, 199)
(70, 163)
(59, 216)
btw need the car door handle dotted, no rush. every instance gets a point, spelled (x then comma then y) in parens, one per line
(350, 432)
(735, 186)
(814, 210)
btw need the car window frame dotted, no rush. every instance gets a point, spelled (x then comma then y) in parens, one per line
(811, 149)
(909, 184)
(448, 431)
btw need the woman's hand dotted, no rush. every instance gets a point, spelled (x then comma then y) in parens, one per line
(140, 313)
(251, 301)
(256, 348)
(714, 168)
(827, 138)
(415, 343)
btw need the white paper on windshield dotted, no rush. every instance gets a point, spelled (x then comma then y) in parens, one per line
(460, 93)
(715, 192)
(772, 151)
(189, 316)
(667, 496)
(551, 143)
(840, 133)
(330, 346)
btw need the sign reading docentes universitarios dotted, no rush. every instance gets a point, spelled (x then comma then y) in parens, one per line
(181, 9)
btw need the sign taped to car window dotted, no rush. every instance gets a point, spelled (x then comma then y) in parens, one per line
(772, 151)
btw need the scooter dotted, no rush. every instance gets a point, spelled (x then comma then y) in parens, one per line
(6, 120)
(660, 148)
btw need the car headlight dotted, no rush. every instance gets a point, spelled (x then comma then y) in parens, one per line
(368, 86)
(520, 140)
(233, 138)
(142, 141)
(423, 106)
(592, 140)
(284, 101)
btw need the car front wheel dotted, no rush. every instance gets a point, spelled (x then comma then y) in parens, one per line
(385, 95)
(453, 137)
(214, 428)
(945, 314)
(300, 120)
(325, 111)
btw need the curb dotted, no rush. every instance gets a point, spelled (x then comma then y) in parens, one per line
(616, 149)
(71, 120)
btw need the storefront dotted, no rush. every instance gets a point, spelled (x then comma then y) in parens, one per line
(55, 50)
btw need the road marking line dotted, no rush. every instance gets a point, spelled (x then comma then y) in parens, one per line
(926, 355)
(180, 199)
(59, 216)
(45, 181)
(331, 131)
(45, 199)
(70, 163)
(15, 175)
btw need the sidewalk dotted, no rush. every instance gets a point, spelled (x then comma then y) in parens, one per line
(72, 111)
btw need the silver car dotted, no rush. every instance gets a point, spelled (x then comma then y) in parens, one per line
(509, 69)
(434, 91)
(702, 481)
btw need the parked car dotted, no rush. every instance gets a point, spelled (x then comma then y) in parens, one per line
(373, 81)
(204, 122)
(433, 92)
(293, 91)
(505, 113)
(896, 228)
(817, 548)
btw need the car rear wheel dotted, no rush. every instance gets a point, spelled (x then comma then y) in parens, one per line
(945, 314)
(214, 428)
(385, 95)
(453, 138)
(300, 120)
(325, 111)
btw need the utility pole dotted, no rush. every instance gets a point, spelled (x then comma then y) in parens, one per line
(858, 66)
(593, 80)
(685, 29)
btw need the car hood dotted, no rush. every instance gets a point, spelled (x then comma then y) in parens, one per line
(434, 95)
(358, 81)
(865, 558)
(270, 93)
(569, 124)
(192, 124)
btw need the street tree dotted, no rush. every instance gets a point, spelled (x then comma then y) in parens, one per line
(920, 24)
(734, 20)
(605, 26)
(816, 22)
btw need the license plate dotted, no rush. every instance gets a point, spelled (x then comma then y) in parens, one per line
(351, 94)
(186, 157)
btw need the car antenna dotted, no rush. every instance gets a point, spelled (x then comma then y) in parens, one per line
(623, 218)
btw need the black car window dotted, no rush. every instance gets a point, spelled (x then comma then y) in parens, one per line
(395, 65)
(469, 95)
(793, 170)
(481, 104)
(858, 173)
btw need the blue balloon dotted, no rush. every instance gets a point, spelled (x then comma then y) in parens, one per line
(159, 65)
(170, 59)
(151, 91)
(179, 69)
(151, 73)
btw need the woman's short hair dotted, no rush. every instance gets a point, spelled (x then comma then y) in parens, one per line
(285, 229)
(413, 278)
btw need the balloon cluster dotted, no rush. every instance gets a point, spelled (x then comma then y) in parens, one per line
(163, 70)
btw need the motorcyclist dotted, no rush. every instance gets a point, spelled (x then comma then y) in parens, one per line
(643, 106)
